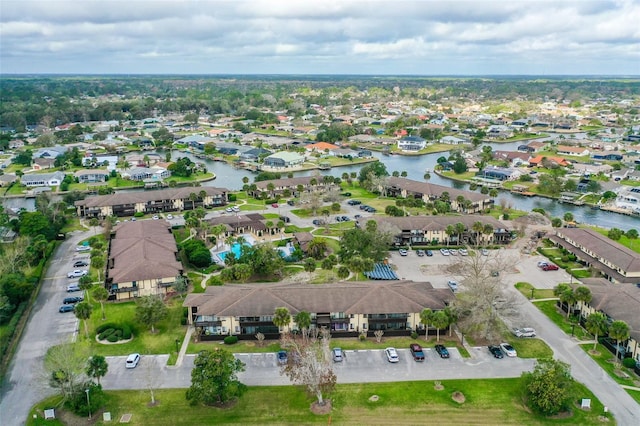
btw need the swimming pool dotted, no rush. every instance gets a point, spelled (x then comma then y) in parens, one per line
(236, 249)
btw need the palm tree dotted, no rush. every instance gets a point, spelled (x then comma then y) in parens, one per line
(193, 197)
(98, 262)
(83, 312)
(281, 318)
(583, 294)
(618, 331)
(425, 319)
(271, 187)
(597, 325)
(568, 296)
(487, 230)
(459, 230)
(303, 320)
(440, 320)
(449, 230)
(477, 229)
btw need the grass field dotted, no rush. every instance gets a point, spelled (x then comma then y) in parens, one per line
(488, 402)
(560, 319)
(525, 289)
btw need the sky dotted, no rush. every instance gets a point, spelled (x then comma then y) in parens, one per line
(476, 37)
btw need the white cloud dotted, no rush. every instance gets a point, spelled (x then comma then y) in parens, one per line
(343, 36)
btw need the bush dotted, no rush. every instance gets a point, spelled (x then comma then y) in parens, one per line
(126, 332)
(118, 333)
(108, 332)
(113, 338)
(363, 337)
(138, 214)
(629, 362)
(230, 340)
(215, 280)
(414, 335)
(105, 326)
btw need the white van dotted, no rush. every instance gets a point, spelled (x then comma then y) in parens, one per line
(133, 360)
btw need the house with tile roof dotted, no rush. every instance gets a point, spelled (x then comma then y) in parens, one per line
(345, 308)
(538, 161)
(142, 260)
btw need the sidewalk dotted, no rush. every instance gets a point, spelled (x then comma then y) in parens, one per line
(183, 348)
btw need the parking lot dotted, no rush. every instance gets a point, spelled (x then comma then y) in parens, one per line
(358, 367)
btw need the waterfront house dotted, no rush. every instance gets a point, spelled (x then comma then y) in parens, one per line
(576, 151)
(42, 179)
(92, 175)
(307, 183)
(283, 159)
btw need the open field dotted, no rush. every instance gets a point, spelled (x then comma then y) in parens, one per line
(488, 402)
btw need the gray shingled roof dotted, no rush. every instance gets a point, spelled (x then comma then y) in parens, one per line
(433, 189)
(619, 301)
(373, 297)
(603, 247)
(436, 223)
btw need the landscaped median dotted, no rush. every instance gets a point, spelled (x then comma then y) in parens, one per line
(488, 402)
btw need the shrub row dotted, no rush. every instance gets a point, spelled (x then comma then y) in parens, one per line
(114, 332)
(230, 340)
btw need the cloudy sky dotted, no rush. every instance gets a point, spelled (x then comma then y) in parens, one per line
(321, 37)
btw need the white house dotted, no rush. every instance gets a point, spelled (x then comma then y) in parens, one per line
(42, 179)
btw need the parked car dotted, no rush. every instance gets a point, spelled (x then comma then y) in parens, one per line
(274, 205)
(83, 248)
(403, 252)
(442, 351)
(80, 263)
(235, 209)
(453, 252)
(72, 288)
(420, 253)
(429, 253)
(524, 332)
(392, 355)
(508, 349)
(463, 252)
(346, 218)
(291, 203)
(228, 210)
(338, 218)
(66, 308)
(453, 285)
(77, 273)
(444, 252)
(132, 361)
(285, 219)
(416, 352)
(169, 216)
(550, 267)
(542, 263)
(484, 252)
(337, 355)
(496, 351)
(354, 202)
(318, 222)
(155, 217)
(72, 300)
(282, 357)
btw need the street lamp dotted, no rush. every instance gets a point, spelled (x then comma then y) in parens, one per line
(88, 403)
(532, 290)
(178, 345)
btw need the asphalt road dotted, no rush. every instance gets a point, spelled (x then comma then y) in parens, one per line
(26, 382)
(365, 366)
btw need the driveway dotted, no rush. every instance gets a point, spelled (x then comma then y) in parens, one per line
(25, 383)
(363, 366)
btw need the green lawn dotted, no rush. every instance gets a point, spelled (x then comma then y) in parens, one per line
(560, 319)
(605, 359)
(145, 342)
(530, 348)
(488, 402)
(525, 289)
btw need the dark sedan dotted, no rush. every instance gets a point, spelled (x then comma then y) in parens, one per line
(496, 351)
(442, 351)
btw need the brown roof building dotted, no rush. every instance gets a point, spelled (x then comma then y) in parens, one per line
(142, 259)
(347, 307)
(616, 262)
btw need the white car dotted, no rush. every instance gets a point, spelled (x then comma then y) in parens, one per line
(445, 252)
(453, 252)
(463, 252)
(169, 216)
(77, 273)
(403, 252)
(132, 361)
(392, 355)
(155, 217)
(453, 285)
(235, 209)
(524, 332)
(484, 252)
(83, 248)
(508, 350)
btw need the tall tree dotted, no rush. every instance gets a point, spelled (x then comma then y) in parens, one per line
(65, 366)
(97, 367)
(100, 294)
(425, 319)
(214, 378)
(150, 310)
(583, 294)
(618, 331)
(597, 325)
(83, 312)
(440, 320)
(310, 364)
(281, 318)
(303, 321)
(549, 387)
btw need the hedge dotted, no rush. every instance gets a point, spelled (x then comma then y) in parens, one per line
(230, 340)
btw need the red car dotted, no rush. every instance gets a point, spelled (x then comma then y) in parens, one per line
(549, 267)
(274, 205)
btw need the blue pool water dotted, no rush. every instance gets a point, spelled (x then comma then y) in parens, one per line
(235, 249)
